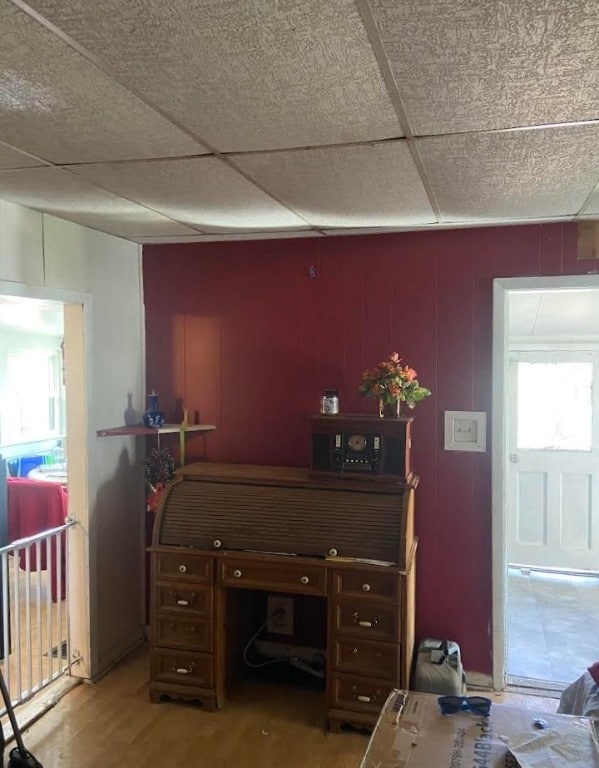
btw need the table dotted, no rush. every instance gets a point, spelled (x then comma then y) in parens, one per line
(50, 473)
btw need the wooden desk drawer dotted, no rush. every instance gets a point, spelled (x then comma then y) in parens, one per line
(364, 657)
(379, 586)
(360, 694)
(372, 621)
(184, 566)
(275, 577)
(183, 632)
(184, 598)
(182, 667)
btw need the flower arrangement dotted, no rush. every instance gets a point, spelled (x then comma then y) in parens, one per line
(159, 471)
(391, 383)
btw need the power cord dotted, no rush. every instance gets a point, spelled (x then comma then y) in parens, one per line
(317, 668)
(254, 665)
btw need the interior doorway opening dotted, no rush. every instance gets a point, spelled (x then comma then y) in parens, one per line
(43, 425)
(545, 480)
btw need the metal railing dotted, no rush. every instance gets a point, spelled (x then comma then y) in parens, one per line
(34, 612)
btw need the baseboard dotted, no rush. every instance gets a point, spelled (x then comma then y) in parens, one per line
(535, 687)
(478, 681)
(117, 653)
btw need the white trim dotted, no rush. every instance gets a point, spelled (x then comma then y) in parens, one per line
(501, 288)
(479, 681)
(499, 565)
(77, 308)
(41, 292)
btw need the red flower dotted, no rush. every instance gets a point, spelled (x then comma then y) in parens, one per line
(154, 496)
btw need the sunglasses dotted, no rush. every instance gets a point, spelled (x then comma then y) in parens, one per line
(479, 705)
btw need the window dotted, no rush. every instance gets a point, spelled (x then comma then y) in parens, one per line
(554, 406)
(31, 406)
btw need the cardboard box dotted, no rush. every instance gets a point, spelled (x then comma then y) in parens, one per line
(411, 732)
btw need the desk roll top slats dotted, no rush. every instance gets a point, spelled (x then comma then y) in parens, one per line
(219, 528)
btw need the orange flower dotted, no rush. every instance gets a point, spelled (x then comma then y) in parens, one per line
(390, 381)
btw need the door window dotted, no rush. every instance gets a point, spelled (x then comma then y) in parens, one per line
(554, 406)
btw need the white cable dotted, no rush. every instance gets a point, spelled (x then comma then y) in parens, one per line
(285, 659)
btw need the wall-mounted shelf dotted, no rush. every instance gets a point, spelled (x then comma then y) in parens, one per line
(140, 430)
(143, 431)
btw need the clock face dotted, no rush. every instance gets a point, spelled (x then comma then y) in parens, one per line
(356, 442)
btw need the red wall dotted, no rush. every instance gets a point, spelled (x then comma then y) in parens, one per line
(244, 335)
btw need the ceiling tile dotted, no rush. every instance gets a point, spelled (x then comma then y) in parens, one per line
(371, 185)
(204, 192)
(58, 193)
(12, 158)
(466, 65)
(242, 74)
(57, 105)
(538, 173)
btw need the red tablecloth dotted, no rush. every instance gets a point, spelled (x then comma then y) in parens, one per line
(34, 506)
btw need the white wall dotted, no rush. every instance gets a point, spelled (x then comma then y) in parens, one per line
(46, 257)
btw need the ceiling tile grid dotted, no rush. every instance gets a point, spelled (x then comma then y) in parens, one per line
(57, 105)
(214, 238)
(534, 173)
(12, 158)
(203, 192)
(367, 185)
(470, 65)
(242, 74)
(592, 207)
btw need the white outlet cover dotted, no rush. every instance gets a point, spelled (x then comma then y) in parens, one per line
(279, 624)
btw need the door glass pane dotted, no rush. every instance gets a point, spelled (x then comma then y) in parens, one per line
(554, 406)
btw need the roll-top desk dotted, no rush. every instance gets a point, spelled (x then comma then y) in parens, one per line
(223, 528)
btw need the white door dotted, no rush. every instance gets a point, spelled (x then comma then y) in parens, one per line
(553, 460)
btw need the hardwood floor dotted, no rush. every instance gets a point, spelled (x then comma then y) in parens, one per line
(112, 723)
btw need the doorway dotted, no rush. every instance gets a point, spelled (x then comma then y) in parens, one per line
(66, 316)
(545, 480)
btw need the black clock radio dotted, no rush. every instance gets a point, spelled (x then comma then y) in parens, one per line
(361, 446)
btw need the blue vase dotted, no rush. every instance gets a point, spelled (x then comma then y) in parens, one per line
(153, 417)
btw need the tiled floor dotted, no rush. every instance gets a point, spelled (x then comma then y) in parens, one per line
(552, 625)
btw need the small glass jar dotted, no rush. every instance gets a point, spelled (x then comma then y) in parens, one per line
(329, 402)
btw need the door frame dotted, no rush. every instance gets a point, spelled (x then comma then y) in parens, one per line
(77, 319)
(502, 288)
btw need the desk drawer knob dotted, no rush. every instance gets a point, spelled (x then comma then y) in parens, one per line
(182, 569)
(366, 587)
(237, 573)
(305, 580)
(363, 698)
(217, 543)
(333, 552)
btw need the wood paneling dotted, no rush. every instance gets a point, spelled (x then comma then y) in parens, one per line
(284, 336)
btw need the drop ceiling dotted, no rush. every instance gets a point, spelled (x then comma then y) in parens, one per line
(233, 119)
(554, 316)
